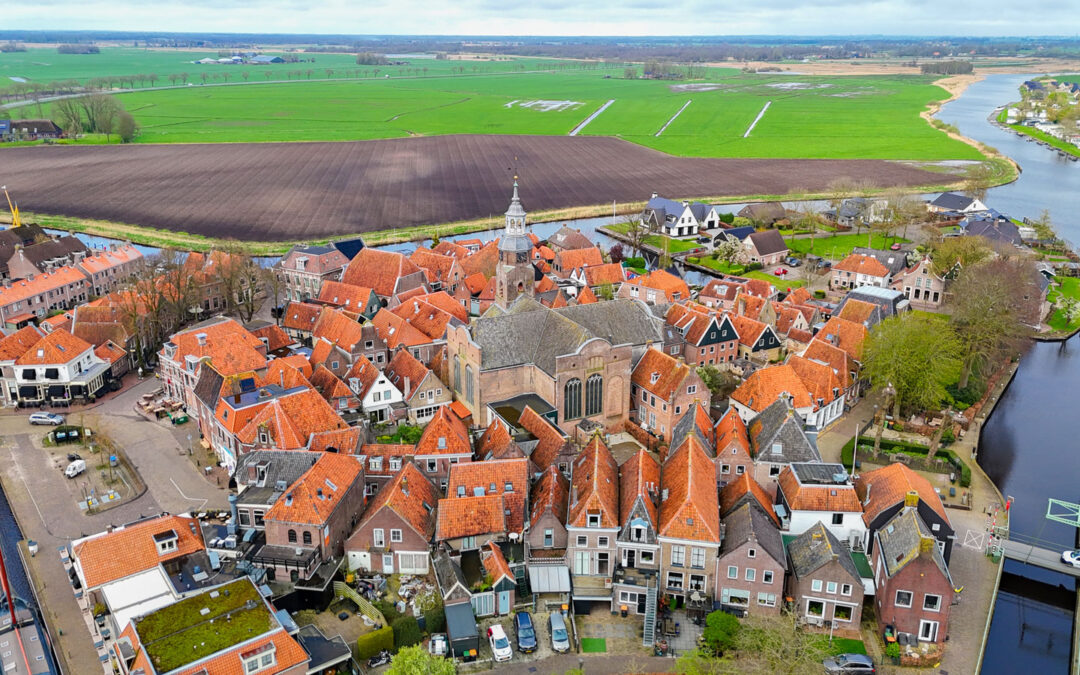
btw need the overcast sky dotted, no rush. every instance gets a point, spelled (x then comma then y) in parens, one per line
(546, 17)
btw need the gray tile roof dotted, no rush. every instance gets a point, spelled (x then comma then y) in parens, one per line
(768, 241)
(282, 465)
(208, 386)
(748, 521)
(686, 426)
(777, 435)
(900, 539)
(530, 333)
(894, 261)
(817, 547)
(567, 238)
(952, 201)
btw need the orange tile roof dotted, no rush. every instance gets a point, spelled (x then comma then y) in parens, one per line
(437, 267)
(559, 300)
(97, 555)
(691, 510)
(889, 485)
(663, 281)
(406, 366)
(345, 295)
(595, 481)
(485, 474)
(578, 257)
(495, 441)
(337, 327)
(109, 352)
(315, 495)
(476, 283)
(59, 321)
(345, 441)
(846, 335)
(858, 311)
(285, 374)
(58, 346)
(461, 410)
(386, 450)
(448, 304)
(470, 517)
(750, 306)
(861, 264)
(424, 317)
(451, 249)
(297, 361)
(704, 423)
(639, 476)
(110, 258)
(495, 563)
(837, 358)
(835, 498)
(275, 336)
(300, 316)
(489, 291)
(544, 285)
(395, 330)
(378, 270)
(732, 495)
(798, 296)
(41, 283)
(799, 335)
(411, 496)
(15, 345)
(366, 374)
(320, 351)
(542, 252)
(764, 386)
(749, 330)
(549, 439)
(730, 430)
(230, 348)
(659, 373)
(608, 273)
(551, 491)
(445, 434)
(291, 419)
(287, 654)
(483, 261)
(330, 385)
(586, 297)
(818, 378)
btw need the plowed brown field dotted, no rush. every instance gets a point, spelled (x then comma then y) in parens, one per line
(298, 191)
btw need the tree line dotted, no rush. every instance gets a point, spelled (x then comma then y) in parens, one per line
(78, 49)
(94, 114)
(950, 67)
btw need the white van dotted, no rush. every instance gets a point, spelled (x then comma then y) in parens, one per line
(75, 468)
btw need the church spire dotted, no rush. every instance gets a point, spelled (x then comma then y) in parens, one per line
(515, 215)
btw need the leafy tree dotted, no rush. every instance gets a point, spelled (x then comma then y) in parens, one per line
(763, 645)
(721, 631)
(962, 251)
(1044, 226)
(605, 291)
(617, 253)
(435, 619)
(720, 382)
(915, 354)
(728, 249)
(994, 305)
(126, 127)
(415, 660)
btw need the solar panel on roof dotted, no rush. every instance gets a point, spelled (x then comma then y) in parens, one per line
(247, 384)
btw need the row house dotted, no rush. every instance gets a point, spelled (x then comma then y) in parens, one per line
(886, 491)
(33, 297)
(262, 476)
(443, 272)
(349, 298)
(444, 443)
(752, 562)
(824, 583)
(45, 254)
(570, 262)
(382, 462)
(723, 293)
(778, 438)
(549, 500)
(662, 388)
(334, 391)
(809, 493)
(758, 340)
(592, 523)
(388, 273)
(308, 524)
(60, 368)
(395, 533)
(732, 445)
(109, 268)
(423, 393)
(709, 338)
(656, 287)
(222, 342)
(812, 388)
(11, 348)
(379, 398)
(860, 311)
(304, 270)
(637, 547)
(398, 331)
(298, 320)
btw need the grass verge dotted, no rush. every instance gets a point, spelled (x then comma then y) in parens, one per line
(1068, 287)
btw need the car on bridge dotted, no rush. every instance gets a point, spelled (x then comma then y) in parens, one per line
(1071, 558)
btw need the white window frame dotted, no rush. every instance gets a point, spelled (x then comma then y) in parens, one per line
(830, 588)
(931, 609)
(845, 589)
(378, 537)
(751, 574)
(815, 585)
(766, 576)
(934, 628)
(582, 541)
(395, 536)
(697, 558)
(678, 555)
(910, 596)
(732, 572)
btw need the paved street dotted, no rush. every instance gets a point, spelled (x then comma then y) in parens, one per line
(47, 511)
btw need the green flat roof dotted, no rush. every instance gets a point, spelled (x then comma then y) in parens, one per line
(862, 563)
(181, 633)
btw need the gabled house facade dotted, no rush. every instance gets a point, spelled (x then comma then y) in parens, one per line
(663, 388)
(752, 562)
(638, 550)
(824, 583)
(394, 535)
(592, 524)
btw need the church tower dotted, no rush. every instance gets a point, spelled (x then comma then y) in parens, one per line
(514, 275)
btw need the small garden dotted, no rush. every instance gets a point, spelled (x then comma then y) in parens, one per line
(1065, 297)
(944, 460)
(838, 247)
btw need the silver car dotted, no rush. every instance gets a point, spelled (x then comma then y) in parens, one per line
(560, 639)
(46, 418)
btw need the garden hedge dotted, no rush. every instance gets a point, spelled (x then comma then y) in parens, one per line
(912, 449)
(370, 644)
(406, 632)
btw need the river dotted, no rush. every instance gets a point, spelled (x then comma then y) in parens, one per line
(1027, 445)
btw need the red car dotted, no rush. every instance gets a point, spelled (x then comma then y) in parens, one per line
(780, 271)
(895, 247)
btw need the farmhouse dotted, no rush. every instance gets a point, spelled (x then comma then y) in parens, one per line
(950, 201)
(766, 213)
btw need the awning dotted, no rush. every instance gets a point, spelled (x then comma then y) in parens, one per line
(549, 579)
(57, 391)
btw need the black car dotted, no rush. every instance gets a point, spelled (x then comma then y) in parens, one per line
(525, 631)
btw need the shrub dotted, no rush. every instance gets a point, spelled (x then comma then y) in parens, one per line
(948, 436)
(406, 632)
(728, 218)
(692, 260)
(720, 631)
(866, 443)
(435, 619)
(634, 262)
(753, 267)
(819, 294)
(969, 395)
(387, 609)
(892, 650)
(370, 644)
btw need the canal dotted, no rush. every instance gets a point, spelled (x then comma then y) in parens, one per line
(1027, 446)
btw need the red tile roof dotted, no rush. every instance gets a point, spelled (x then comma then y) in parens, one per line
(595, 481)
(315, 495)
(858, 311)
(395, 330)
(748, 329)
(470, 517)
(386, 451)
(41, 283)
(330, 385)
(461, 410)
(366, 374)
(404, 366)
(732, 495)
(838, 360)
(673, 287)
(818, 378)
(764, 386)
(411, 496)
(344, 295)
(551, 491)
(276, 337)
(445, 434)
(731, 431)
(424, 317)
(448, 304)
(812, 497)
(100, 564)
(861, 264)
(492, 476)
(639, 476)
(495, 563)
(886, 487)
(609, 273)
(57, 347)
(291, 419)
(578, 257)
(345, 441)
(476, 283)
(378, 270)
(586, 297)
(549, 439)
(230, 348)
(287, 654)
(15, 345)
(301, 316)
(437, 267)
(495, 441)
(109, 352)
(337, 327)
(659, 373)
(297, 361)
(846, 335)
(691, 510)
(451, 249)
(483, 261)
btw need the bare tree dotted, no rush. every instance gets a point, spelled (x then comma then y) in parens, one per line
(69, 113)
(240, 279)
(273, 284)
(636, 232)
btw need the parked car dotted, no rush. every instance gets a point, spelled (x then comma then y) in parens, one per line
(75, 468)
(438, 645)
(780, 271)
(1071, 558)
(895, 247)
(850, 663)
(500, 645)
(793, 262)
(525, 631)
(46, 418)
(560, 639)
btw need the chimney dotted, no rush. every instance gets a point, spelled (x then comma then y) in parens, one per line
(407, 387)
(201, 338)
(926, 544)
(29, 277)
(866, 499)
(232, 508)
(911, 499)
(654, 195)
(281, 378)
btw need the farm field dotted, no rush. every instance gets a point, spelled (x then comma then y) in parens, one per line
(267, 192)
(808, 117)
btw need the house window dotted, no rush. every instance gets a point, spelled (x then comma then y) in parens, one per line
(675, 580)
(549, 538)
(815, 585)
(928, 630)
(602, 542)
(572, 399)
(582, 562)
(259, 522)
(395, 463)
(732, 572)
(468, 384)
(678, 555)
(767, 577)
(582, 541)
(395, 535)
(766, 599)
(307, 538)
(468, 543)
(725, 468)
(292, 536)
(903, 599)
(697, 558)
(697, 583)
(751, 553)
(432, 465)
(774, 471)
(378, 538)
(457, 376)
(740, 470)
(594, 520)
(751, 573)
(842, 613)
(245, 518)
(830, 588)
(692, 389)
(645, 557)
(815, 608)
(837, 519)
(375, 464)
(594, 395)
(931, 603)
(845, 589)
(602, 563)
(734, 596)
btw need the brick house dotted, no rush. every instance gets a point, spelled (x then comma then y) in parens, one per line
(35, 296)
(355, 299)
(571, 260)
(689, 531)
(723, 293)
(443, 272)
(261, 476)
(757, 340)
(316, 515)
(637, 547)
(924, 288)
(859, 270)
(655, 287)
(710, 338)
(732, 445)
(222, 342)
(443, 443)
(664, 387)
(778, 438)
(109, 268)
(12, 347)
(386, 272)
(548, 503)
(914, 588)
(305, 268)
(824, 581)
(298, 320)
(592, 525)
(422, 391)
(812, 388)
(752, 562)
(395, 533)
(766, 247)
(886, 491)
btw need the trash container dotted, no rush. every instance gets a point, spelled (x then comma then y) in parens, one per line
(624, 611)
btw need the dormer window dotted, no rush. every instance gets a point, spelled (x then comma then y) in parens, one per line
(259, 659)
(653, 378)
(637, 533)
(594, 520)
(375, 464)
(395, 463)
(166, 542)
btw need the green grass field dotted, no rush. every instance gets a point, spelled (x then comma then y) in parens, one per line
(809, 116)
(838, 247)
(1070, 288)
